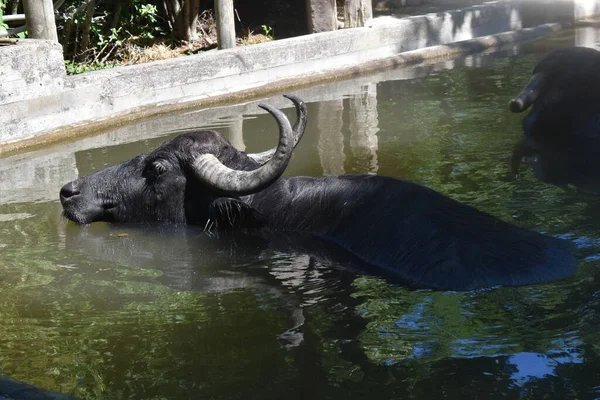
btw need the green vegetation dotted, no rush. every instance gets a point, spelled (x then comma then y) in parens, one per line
(2, 9)
(99, 34)
(9, 7)
(267, 31)
(74, 67)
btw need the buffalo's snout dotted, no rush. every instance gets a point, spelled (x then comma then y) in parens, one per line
(68, 191)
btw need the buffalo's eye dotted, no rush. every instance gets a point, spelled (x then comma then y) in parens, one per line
(156, 168)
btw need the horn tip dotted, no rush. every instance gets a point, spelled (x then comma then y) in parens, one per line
(293, 98)
(270, 109)
(515, 105)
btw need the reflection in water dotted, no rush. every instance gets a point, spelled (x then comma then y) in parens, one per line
(192, 260)
(531, 366)
(579, 167)
(363, 129)
(137, 312)
(331, 140)
(234, 132)
(587, 36)
(34, 178)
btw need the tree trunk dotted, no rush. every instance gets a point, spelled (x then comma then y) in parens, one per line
(40, 19)
(185, 29)
(85, 35)
(357, 13)
(225, 24)
(166, 12)
(193, 20)
(67, 31)
(115, 17)
(12, 7)
(176, 17)
(182, 17)
(71, 26)
(189, 19)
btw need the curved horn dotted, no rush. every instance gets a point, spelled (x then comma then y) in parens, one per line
(299, 128)
(211, 171)
(529, 94)
(301, 116)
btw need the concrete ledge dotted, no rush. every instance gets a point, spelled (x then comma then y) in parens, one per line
(104, 97)
(30, 69)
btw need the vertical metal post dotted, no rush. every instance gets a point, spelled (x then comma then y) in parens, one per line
(40, 19)
(225, 24)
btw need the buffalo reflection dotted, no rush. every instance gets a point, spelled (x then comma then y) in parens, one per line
(295, 270)
(579, 167)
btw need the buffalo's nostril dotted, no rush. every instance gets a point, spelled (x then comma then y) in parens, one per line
(69, 190)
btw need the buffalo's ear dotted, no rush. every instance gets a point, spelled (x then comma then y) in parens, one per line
(226, 213)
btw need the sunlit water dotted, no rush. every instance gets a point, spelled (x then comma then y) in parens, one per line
(131, 312)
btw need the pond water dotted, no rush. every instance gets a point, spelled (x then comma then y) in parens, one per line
(126, 312)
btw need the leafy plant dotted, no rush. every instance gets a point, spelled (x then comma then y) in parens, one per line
(143, 22)
(74, 67)
(2, 8)
(267, 31)
(108, 24)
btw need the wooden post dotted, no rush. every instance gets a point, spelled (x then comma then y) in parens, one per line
(322, 15)
(225, 24)
(357, 13)
(40, 22)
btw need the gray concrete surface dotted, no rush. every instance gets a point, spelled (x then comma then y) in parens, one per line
(30, 69)
(54, 106)
(321, 15)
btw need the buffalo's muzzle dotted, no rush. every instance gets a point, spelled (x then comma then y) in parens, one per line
(68, 191)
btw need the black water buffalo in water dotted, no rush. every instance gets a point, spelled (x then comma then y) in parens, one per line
(394, 226)
(564, 96)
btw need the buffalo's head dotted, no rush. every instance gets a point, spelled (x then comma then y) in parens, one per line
(559, 76)
(178, 181)
(564, 92)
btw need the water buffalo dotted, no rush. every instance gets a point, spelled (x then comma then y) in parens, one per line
(564, 92)
(393, 226)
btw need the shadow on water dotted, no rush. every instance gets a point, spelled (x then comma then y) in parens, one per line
(108, 311)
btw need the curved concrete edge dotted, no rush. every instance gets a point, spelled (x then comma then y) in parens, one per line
(96, 100)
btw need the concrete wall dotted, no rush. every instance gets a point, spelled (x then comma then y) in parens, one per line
(31, 69)
(34, 105)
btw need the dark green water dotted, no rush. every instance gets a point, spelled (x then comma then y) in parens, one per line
(121, 312)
